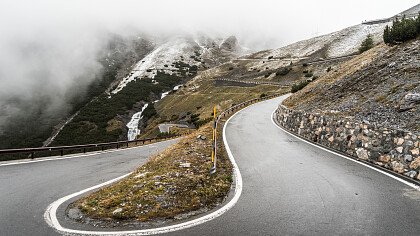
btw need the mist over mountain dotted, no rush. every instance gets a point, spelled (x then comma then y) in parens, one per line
(51, 51)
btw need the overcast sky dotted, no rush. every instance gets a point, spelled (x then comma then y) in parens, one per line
(272, 22)
(49, 47)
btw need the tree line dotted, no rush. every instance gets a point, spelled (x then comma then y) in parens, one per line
(402, 30)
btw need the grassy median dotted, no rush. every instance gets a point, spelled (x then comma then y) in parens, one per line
(170, 184)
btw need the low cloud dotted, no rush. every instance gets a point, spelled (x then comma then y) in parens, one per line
(49, 48)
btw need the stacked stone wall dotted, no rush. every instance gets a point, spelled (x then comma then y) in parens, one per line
(397, 150)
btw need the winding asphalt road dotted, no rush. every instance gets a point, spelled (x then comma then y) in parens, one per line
(293, 188)
(289, 187)
(27, 189)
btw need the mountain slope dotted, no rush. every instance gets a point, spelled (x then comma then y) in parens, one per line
(128, 103)
(39, 122)
(384, 88)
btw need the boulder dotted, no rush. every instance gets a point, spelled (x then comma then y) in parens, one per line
(409, 101)
(411, 174)
(362, 154)
(117, 211)
(415, 164)
(397, 167)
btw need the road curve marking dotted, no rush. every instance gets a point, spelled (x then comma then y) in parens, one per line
(50, 215)
(416, 187)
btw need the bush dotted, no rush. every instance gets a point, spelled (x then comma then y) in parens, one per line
(305, 64)
(284, 71)
(309, 75)
(299, 86)
(402, 30)
(263, 95)
(366, 44)
(202, 122)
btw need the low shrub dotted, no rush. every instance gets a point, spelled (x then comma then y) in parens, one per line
(283, 71)
(299, 86)
(309, 75)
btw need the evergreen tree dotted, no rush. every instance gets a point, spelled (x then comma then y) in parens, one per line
(402, 30)
(387, 37)
(418, 24)
(366, 44)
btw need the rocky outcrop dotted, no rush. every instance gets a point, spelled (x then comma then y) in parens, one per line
(230, 44)
(409, 101)
(397, 150)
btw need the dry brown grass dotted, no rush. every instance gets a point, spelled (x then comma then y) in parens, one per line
(162, 188)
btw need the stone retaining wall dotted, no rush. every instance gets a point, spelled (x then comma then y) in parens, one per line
(396, 150)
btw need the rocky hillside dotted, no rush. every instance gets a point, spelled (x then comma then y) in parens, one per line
(412, 11)
(384, 88)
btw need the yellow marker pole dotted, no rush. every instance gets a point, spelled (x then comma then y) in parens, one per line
(213, 153)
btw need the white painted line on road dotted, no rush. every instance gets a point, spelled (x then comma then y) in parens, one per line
(75, 156)
(50, 214)
(348, 158)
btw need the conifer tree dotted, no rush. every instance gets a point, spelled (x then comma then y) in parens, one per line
(366, 44)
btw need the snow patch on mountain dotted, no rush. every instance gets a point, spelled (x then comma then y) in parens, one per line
(340, 43)
(162, 58)
(190, 50)
(350, 39)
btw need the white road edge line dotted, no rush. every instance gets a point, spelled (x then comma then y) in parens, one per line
(50, 214)
(77, 155)
(416, 187)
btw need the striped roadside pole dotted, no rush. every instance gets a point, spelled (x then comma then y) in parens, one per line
(213, 152)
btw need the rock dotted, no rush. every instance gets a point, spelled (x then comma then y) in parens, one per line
(412, 98)
(408, 158)
(409, 143)
(385, 158)
(141, 175)
(375, 143)
(411, 174)
(138, 186)
(399, 149)
(397, 167)
(415, 151)
(362, 154)
(230, 44)
(415, 164)
(409, 101)
(203, 137)
(185, 165)
(400, 141)
(117, 211)
(157, 177)
(331, 139)
(75, 213)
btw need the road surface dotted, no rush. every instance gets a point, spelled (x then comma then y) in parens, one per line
(26, 190)
(293, 188)
(289, 187)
